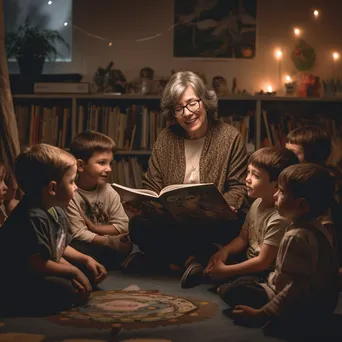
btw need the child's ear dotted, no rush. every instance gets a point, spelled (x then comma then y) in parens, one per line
(80, 165)
(304, 205)
(52, 187)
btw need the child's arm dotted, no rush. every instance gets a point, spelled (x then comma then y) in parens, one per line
(118, 220)
(99, 272)
(52, 268)
(273, 230)
(260, 263)
(78, 229)
(116, 212)
(108, 229)
(238, 245)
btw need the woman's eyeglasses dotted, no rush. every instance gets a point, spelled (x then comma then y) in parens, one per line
(192, 106)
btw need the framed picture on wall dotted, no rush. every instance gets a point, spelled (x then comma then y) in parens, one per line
(214, 28)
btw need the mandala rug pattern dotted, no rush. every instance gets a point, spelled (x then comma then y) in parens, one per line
(135, 309)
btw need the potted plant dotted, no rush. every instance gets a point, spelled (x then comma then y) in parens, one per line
(32, 46)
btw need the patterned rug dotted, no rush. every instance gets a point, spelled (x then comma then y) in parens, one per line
(134, 310)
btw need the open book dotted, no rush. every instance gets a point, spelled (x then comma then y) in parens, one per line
(187, 203)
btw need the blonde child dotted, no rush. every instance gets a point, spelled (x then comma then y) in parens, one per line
(99, 224)
(41, 276)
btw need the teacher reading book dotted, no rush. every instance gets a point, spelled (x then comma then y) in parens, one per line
(196, 148)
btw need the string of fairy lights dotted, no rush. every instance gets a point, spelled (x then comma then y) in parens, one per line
(278, 52)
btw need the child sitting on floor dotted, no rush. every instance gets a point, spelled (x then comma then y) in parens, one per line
(313, 144)
(99, 224)
(40, 275)
(303, 289)
(263, 228)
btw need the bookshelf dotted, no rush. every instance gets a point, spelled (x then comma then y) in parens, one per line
(134, 122)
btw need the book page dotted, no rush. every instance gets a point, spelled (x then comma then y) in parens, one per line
(118, 187)
(146, 204)
(198, 205)
(172, 187)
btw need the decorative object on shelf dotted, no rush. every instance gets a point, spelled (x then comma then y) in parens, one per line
(117, 81)
(147, 73)
(219, 85)
(32, 46)
(110, 80)
(101, 77)
(145, 83)
(290, 86)
(332, 87)
(308, 85)
(269, 92)
(303, 56)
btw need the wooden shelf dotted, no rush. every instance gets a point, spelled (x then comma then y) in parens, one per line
(157, 97)
(87, 96)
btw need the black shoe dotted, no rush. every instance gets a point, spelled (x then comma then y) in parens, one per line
(134, 263)
(193, 275)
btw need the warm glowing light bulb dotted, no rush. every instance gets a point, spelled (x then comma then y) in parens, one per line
(65, 24)
(110, 44)
(288, 78)
(269, 89)
(297, 31)
(316, 13)
(49, 2)
(336, 56)
(278, 54)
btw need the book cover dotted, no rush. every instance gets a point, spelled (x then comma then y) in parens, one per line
(186, 203)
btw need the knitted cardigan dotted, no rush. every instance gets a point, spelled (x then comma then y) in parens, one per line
(223, 162)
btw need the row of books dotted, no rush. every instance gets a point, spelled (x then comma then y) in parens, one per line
(276, 127)
(246, 126)
(127, 172)
(135, 128)
(42, 124)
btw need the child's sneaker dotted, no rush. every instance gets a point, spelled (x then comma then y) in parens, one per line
(193, 275)
(134, 263)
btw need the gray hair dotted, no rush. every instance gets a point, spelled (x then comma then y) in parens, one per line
(176, 87)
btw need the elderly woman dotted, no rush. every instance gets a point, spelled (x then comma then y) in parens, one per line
(195, 149)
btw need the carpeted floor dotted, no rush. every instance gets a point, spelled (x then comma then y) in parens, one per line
(204, 322)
